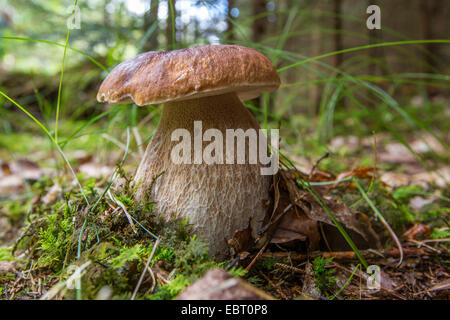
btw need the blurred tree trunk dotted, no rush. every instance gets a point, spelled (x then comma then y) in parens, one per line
(197, 33)
(428, 11)
(171, 28)
(316, 49)
(337, 37)
(230, 27)
(151, 25)
(106, 15)
(259, 26)
(376, 54)
(258, 32)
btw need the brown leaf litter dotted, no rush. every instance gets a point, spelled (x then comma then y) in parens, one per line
(298, 223)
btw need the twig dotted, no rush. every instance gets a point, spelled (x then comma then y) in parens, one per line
(145, 269)
(435, 240)
(40, 287)
(280, 292)
(343, 255)
(153, 279)
(257, 255)
(316, 164)
(161, 279)
(423, 244)
(264, 229)
(288, 268)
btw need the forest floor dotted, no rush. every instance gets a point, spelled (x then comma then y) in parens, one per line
(394, 207)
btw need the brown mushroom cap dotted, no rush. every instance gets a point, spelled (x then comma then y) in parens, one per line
(159, 76)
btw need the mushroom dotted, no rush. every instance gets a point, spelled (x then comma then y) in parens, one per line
(207, 84)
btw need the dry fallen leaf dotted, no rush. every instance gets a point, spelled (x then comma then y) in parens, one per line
(11, 184)
(386, 282)
(5, 169)
(15, 175)
(296, 216)
(349, 143)
(395, 180)
(359, 172)
(94, 170)
(426, 144)
(6, 266)
(416, 203)
(396, 153)
(313, 210)
(444, 285)
(242, 240)
(440, 177)
(52, 194)
(218, 284)
(293, 227)
(415, 230)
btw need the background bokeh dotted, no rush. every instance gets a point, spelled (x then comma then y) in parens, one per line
(399, 89)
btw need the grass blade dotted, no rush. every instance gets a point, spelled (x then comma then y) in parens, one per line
(58, 103)
(382, 219)
(52, 139)
(369, 46)
(97, 63)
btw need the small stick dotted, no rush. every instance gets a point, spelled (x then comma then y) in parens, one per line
(153, 279)
(280, 292)
(264, 229)
(257, 255)
(316, 164)
(423, 244)
(434, 240)
(40, 287)
(145, 269)
(162, 279)
(343, 255)
(5, 290)
(289, 268)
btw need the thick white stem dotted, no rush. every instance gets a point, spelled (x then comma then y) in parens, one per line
(219, 199)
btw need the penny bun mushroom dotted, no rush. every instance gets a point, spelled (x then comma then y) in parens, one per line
(207, 84)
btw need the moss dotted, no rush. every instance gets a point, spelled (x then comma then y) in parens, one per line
(323, 276)
(56, 234)
(256, 281)
(54, 239)
(127, 255)
(5, 277)
(172, 289)
(440, 233)
(406, 193)
(395, 211)
(15, 211)
(6, 255)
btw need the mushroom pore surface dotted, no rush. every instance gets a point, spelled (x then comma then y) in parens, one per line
(217, 199)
